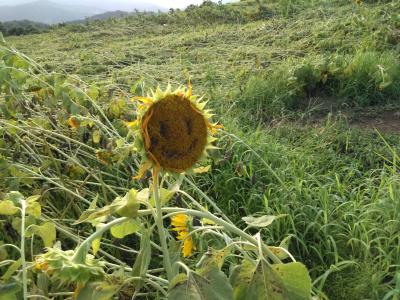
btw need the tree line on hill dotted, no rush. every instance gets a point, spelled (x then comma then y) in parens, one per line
(22, 27)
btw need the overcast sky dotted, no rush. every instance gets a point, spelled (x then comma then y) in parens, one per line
(115, 3)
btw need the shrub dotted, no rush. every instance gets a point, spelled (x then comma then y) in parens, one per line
(367, 78)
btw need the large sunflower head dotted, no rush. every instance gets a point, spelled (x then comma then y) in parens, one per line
(172, 129)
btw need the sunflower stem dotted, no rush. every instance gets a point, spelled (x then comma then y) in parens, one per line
(22, 251)
(82, 250)
(160, 226)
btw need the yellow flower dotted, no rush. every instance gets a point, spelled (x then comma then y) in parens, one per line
(40, 264)
(73, 123)
(180, 223)
(172, 130)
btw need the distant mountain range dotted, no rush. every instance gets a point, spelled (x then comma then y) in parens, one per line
(52, 12)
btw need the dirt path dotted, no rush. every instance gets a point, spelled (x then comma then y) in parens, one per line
(387, 121)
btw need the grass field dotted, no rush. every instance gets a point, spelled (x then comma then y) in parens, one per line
(294, 83)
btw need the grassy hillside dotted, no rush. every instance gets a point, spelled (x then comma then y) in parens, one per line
(331, 50)
(285, 78)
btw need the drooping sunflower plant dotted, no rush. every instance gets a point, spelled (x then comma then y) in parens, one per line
(173, 132)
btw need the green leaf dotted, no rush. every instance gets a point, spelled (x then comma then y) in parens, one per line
(142, 261)
(262, 221)
(46, 231)
(11, 270)
(16, 223)
(279, 282)
(295, 280)
(8, 208)
(15, 197)
(128, 227)
(209, 284)
(129, 205)
(98, 291)
(8, 290)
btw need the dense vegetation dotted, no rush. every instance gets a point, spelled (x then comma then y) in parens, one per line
(22, 28)
(285, 78)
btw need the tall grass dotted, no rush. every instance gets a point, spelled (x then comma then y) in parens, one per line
(341, 81)
(339, 190)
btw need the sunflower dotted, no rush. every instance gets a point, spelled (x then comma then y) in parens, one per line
(180, 223)
(172, 130)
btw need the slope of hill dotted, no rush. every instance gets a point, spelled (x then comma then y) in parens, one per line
(266, 67)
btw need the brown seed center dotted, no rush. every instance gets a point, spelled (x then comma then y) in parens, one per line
(176, 133)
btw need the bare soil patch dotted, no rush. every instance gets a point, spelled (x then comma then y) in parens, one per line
(387, 121)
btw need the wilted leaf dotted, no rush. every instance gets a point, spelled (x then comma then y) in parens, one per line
(128, 227)
(279, 282)
(295, 280)
(125, 207)
(209, 284)
(201, 170)
(96, 245)
(8, 208)
(96, 136)
(216, 257)
(129, 205)
(46, 231)
(262, 221)
(97, 291)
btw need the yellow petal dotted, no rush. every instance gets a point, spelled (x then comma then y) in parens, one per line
(146, 100)
(132, 124)
(182, 235)
(200, 170)
(190, 88)
(214, 128)
(179, 220)
(188, 247)
(178, 228)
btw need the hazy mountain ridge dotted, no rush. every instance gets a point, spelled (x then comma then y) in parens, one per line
(44, 11)
(51, 12)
